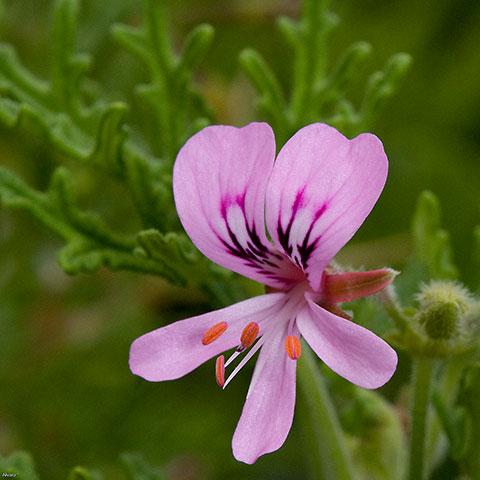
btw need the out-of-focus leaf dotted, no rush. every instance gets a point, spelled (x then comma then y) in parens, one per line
(80, 473)
(431, 242)
(137, 468)
(319, 93)
(468, 431)
(476, 256)
(18, 465)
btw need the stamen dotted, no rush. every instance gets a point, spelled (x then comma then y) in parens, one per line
(245, 359)
(293, 347)
(220, 371)
(249, 334)
(233, 356)
(214, 332)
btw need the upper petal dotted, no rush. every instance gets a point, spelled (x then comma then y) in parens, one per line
(321, 189)
(268, 411)
(219, 181)
(175, 350)
(350, 350)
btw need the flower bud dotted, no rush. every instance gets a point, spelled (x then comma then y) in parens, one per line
(443, 306)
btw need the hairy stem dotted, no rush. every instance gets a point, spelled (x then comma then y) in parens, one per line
(326, 436)
(422, 386)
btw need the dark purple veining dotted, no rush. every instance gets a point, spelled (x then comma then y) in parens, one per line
(307, 246)
(255, 254)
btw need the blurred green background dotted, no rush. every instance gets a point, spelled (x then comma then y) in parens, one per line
(67, 395)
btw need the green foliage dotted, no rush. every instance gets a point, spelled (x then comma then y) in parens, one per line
(92, 245)
(465, 430)
(319, 93)
(178, 108)
(476, 257)
(138, 469)
(20, 465)
(80, 473)
(61, 333)
(95, 135)
(432, 243)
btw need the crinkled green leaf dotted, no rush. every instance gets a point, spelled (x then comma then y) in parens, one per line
(90, 243)
(170, 93)
(319, 93)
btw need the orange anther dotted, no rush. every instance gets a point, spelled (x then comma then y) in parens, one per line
(249, 334)
(214, 332)
(220, 371)
(293, 346)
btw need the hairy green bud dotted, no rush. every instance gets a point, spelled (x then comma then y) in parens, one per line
(440, 321)
(443, 307)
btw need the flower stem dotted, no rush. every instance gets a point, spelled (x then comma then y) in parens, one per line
(422, 386)
(326, 435)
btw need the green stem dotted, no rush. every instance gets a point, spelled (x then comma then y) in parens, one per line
(393, 308)
(448, 387)
(422, 386)
(327, 437)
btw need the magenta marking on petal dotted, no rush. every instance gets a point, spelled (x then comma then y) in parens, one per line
(320, 212)
(241, 200)
(299, 201)
(255, 253)
(306, 248)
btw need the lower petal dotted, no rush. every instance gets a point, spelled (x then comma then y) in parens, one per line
(350, 350)
(268, 411)
(175, 350)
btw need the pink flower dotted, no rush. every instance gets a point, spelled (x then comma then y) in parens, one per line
(313, 198)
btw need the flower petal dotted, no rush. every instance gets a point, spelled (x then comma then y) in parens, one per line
(348, 349)
(268, 411)
(219, 181)
(321, 189)
(175, 350)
